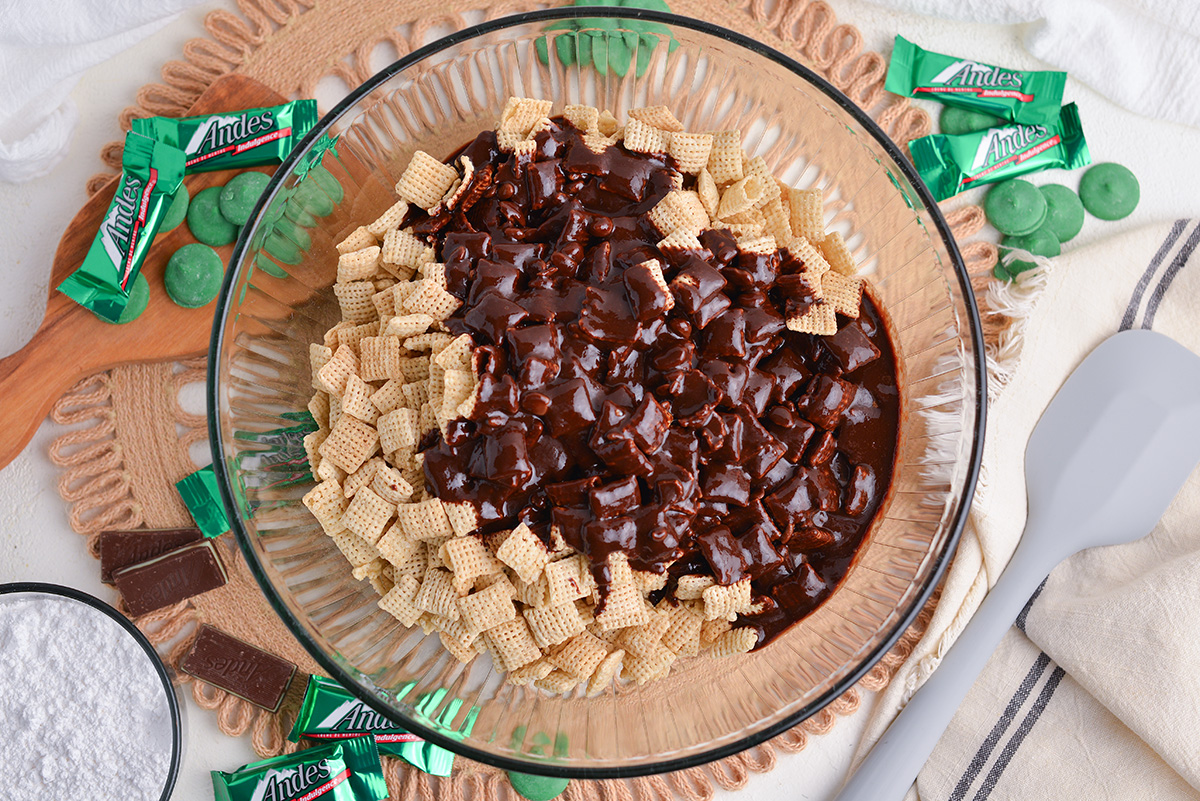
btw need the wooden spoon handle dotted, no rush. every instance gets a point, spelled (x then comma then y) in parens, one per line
(72, 342)
(33, 377)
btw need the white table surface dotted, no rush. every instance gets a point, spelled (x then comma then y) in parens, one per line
(36, 542)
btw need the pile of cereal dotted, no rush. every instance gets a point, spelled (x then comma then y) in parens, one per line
(391, 380)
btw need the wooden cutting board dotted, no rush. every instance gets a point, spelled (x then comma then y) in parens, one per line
(72, 342)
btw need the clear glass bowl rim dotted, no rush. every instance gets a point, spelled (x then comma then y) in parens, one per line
(898, 159)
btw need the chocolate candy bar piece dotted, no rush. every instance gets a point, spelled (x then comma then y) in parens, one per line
(124, 548)
(170, 578)
(238, 667)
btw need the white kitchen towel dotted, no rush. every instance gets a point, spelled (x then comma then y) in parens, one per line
(1142, 54)
(1098, 694)
(45, 47)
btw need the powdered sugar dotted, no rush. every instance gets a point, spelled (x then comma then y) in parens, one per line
(83, 711)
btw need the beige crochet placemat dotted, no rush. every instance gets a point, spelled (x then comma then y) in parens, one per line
(130, 437)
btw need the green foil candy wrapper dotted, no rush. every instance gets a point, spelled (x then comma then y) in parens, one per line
(347, 770)
(329, 712)
(1019, 95)
(150, 174)
(952, 164)
(235, 139)
(202, 498)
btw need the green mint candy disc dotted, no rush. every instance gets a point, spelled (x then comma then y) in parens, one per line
(1064, 211)
(177, 211)
(537, 788)
(1015, 207)
(139, 297)
(205, 220)
(238, 197)
(310, 199)
(1041, 242)
(193, 276)
(1109, 191)
(330, 185)
(955, 120)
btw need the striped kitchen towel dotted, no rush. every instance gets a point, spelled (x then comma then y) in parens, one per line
(1095, 693)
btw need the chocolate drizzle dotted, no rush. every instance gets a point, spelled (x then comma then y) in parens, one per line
(706, 438)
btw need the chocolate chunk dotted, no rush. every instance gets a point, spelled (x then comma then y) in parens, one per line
(861, 492)
(570, 407)
(811, 538)
(615, 498)
(170, 577)
(238, 668)
(790, 373)
(124, 548)
(825, 401)
(726, 482)
(494, 316)
(723, 553)
(648, 298)
(758, 553)
(793, 503)
(851, 347)
(821, 450)
(632, 427)
(725, 336)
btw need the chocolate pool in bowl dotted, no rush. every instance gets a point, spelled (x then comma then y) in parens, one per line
(88, 708)
(439, 98)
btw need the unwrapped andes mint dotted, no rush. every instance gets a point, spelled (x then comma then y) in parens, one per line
(150, 174)
(1023, 96)
(235, 139)
(346, 770)
(170, 578)
(238, 668)
(952, 164)
(124, 548)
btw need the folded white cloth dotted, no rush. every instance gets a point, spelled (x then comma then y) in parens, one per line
(1098, 694)
(44, 49)
(1142, 54)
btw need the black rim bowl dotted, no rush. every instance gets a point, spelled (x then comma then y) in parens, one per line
(40, 588)
(545, 768)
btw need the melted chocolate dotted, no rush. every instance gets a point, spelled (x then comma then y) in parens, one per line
(686, 428)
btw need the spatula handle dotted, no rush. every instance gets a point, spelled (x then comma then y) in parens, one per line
(893, 764)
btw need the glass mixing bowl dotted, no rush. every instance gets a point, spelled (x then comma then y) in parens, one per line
(277, 300)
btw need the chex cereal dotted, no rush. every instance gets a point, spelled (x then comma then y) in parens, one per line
(453, 331)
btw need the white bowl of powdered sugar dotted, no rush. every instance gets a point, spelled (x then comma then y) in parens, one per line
(87, 707)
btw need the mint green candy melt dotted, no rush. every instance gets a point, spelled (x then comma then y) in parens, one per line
(193, 276)
(139, 298)
(205, 220)
(537, 788)
(177, 211)
(239, 196)
(1041, 242)
(608, 44)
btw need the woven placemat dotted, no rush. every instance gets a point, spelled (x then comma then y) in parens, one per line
(130, 437)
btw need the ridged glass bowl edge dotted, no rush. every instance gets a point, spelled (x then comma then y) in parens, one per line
(216, 442)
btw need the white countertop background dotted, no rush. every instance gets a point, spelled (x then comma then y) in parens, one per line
(36, 543)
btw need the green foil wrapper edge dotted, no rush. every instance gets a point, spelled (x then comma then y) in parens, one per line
(330, 712)
(202, 498)
(1026, 96)
(235, 139)
(348, 770)
(952, 164)
(150, 175)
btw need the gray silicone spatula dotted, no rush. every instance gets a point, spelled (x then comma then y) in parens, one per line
(1107, 456)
